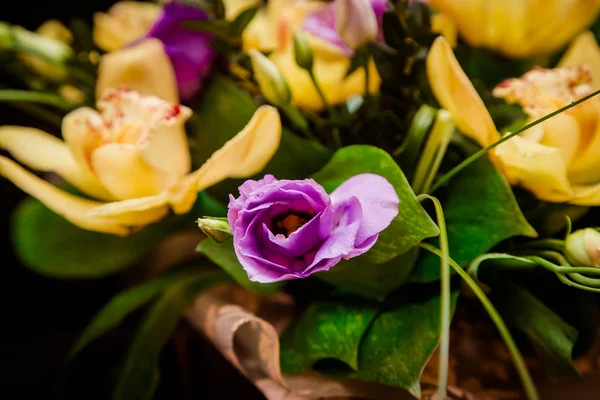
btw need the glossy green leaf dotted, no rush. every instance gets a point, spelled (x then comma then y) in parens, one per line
(224, 256)
(242, 20)
(481, 211)
(400, 341)
(139, 374)
(222, 112)
(551, 337)
(362, 277)
(52, 246)
(328, 329)
(412, 224)
(123, 304)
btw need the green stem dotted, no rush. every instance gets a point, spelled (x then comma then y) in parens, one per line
(434, 152)
(313, 78)
(298, 120)
(546, 244)
(367, 81)
(444, 298)
(519, 362)
(35, 97)
(446, 177)
(39, 112)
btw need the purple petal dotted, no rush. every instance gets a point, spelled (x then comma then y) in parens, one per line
(189, 51)
(377, 198)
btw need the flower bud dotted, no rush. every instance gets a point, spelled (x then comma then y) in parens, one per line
(217, 229)
(303, 52)
(583, 247)
(49, 49)
(355, 22)
(270, 80)
(7, 39)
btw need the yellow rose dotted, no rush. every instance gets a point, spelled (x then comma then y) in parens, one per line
(133, 156)
(272, 30)
(558, 160)
(124, 22)
(519, 28)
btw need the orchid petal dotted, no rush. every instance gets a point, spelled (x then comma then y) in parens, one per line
(74, 208)
(456, 94)
(144, 67)
(44, 152)
(584, 50)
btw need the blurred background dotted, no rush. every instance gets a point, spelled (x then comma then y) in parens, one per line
(41, 317)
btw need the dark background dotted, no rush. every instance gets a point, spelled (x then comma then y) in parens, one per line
(41, 317)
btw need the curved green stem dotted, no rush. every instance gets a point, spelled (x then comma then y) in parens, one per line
(519, 362)
(313, 78)
(444, 298)
(447, 176)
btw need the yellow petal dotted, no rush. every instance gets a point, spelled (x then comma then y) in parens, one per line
(445, 26)
(584, 50)
(538, 168)
(455, 93)
(150, 205)
(74, 208)
(244, 155)
(585, 168)
(234, 7)
(588, 195)
(562, 132)
(145, 68)
(123, 171)
(330, 70)
(82, 131)
(125, 22)
(43, 152)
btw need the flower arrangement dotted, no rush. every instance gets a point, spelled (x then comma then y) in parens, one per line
(319, 188)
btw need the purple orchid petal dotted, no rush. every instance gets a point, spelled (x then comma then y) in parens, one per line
(377, 197)
(189, 51)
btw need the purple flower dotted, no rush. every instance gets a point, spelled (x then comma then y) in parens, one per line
(189, 51)
(285, 230)
(321, 23)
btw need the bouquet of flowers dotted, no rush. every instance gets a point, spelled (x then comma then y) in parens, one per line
(323, 189)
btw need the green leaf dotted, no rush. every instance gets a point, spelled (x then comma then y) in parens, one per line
(219, 29)
(52, 246)
(400, 341)
(224, 256)
(123, 304)
(374, 281)
(551, 337)
(242, 20)
(330, 328)
(222, 112)
(481, 211)
(139, 375)
(412, 224)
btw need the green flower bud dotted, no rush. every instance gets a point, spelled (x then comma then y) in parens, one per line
(42, 46)
(583, 247)
(270, 80)
(7, 39)
(217, 229)
(303, 52)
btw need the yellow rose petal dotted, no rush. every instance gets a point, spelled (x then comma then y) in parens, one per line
(43, 152)
(455, 93)
(144, 67)
(587, 195)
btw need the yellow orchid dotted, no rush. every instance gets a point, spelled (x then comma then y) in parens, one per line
(519, 28)
(133, 156)
(558, 160)
(124, 22)
(272, 30)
